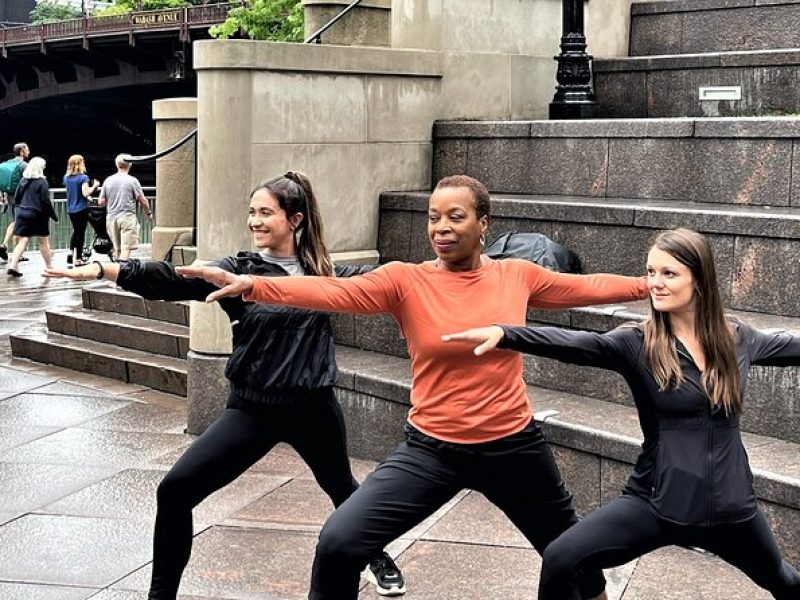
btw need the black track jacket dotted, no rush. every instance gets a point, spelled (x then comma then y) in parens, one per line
(692, 468)
(280, 354)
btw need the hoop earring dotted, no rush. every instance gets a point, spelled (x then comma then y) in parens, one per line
(483, 239)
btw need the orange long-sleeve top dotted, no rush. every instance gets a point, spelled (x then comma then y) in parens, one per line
(455, 396)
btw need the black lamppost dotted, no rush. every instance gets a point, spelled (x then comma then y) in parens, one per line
(574, 98)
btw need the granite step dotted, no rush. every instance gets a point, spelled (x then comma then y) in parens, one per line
(755, 246)
(138, 333)
(109, 298)
(739, 161)
(669, 85)
(595, 441)
(691, 26)
(159, 372)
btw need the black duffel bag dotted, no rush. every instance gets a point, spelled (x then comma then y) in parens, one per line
(537, 248)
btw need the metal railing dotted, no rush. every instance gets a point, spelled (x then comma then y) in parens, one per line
(182, 19)
(61, 232)
(316, 37)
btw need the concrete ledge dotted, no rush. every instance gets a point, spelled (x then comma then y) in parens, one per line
(754, 58)
(282, 56)
(681, 6)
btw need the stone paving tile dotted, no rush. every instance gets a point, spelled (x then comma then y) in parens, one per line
(11, 437)
(109, 594)
(140, 417)
(71, 550)
(105, 385)
(6, 516)
(24, 591)
(47, 410)
(299, 502)
(28, 487)
(101, 448)
(62, 388)
(12, 380)
(243, 563)
(131, 495)
(478, 521)
(162, 399)
(679, 574)
(448, 571)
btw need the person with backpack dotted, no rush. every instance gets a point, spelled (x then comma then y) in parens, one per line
(470, 425)
(10, 175)
(687, 367)
(282, 372)
(34, 211)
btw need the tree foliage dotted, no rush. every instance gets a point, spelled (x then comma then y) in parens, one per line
(277, 20)
(46, 11)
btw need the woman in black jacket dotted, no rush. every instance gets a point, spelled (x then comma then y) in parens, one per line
(687, 367)
(282, 371)
(33, 213)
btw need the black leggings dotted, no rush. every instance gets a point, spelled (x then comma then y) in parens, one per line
(79, 220)
(517, 474)
(628, 527)
(232, 444)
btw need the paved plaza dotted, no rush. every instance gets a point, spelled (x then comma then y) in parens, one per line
(81, 456)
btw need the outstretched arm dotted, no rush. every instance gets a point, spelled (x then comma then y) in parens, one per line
(606, 351)
(771, 348)
(371, 293)
(564, 290)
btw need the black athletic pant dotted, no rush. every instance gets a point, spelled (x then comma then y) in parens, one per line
(628, 527)
(517, 474)
(314, 427)
(79, 220)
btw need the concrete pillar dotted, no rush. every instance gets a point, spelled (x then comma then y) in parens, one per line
(175, 175)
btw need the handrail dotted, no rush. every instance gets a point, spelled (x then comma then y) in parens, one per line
(316, 37)
(157, 155)
(167, 18)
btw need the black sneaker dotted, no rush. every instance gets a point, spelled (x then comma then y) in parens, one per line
(3, 252)
(387, 578)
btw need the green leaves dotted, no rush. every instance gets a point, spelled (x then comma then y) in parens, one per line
(276, 20)
(47, 11)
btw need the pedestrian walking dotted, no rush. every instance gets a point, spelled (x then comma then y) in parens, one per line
(687, 367)
(282, 371)
(33, 213)
(79, 190)
(470, 425)
(120, 194)
(10, 175)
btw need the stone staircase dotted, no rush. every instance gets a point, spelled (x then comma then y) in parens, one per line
(679, 45)
(117, 335)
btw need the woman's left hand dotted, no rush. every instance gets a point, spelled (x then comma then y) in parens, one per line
(229, 283)
(486, 337)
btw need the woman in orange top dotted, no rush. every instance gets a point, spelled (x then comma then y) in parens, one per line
(470, 425)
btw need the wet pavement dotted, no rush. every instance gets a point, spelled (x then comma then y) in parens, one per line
(81, 456)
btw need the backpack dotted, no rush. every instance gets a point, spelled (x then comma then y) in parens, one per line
(10, 174)
(537, 248)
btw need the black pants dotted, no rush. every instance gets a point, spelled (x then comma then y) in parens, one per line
(628, 527)
(517, 474)
(232, 444)
(79, 220)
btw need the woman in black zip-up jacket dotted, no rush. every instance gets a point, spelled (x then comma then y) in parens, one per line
(282, 371)
(687, 368)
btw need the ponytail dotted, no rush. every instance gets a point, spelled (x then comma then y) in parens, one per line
(311, 244)
(294, 194)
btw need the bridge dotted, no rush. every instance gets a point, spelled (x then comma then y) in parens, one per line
(94, 53)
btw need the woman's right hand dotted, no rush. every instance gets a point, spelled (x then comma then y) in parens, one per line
(487, 338)
(229, 283)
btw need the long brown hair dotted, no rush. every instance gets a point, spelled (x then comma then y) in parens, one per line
(294, 194)
(721, 377)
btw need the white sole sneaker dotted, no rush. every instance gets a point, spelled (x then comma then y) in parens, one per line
(392, 591)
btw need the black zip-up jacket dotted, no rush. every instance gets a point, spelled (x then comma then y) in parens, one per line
(280, 354)
(693, 468)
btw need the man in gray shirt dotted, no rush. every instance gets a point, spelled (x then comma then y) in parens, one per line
(120, 193)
